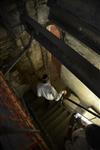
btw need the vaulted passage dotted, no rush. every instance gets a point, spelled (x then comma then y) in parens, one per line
(59, 39)
(52, 120)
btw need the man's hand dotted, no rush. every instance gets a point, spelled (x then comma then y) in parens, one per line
(64, 92)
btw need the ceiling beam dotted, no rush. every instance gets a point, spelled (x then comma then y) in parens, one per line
(78, 65)
(83, 31)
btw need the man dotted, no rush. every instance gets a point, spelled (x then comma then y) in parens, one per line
(46, 90)
(84, 139)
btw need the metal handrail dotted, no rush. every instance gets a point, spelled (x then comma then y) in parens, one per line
(70, 100)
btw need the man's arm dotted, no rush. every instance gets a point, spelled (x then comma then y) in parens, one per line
(60, 95)
(38, 91)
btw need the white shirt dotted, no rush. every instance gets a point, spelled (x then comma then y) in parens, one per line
(47, 91)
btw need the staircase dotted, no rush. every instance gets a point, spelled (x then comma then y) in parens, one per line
(51, 120)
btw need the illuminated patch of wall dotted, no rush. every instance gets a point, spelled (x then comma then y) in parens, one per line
(86, 96)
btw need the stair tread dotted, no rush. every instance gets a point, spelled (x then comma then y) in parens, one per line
(53, 119)
(58, 120)
(61, 127)
(50, 111)
(53, 116)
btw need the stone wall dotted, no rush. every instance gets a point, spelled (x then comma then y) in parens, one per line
(84, 96)
(8, 49)
(31, 63)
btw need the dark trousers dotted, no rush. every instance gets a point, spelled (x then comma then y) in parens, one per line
(47, 103)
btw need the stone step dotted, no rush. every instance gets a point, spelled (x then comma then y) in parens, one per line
(52, 117)
(62, 126)
(37, 104)
(41, 113)
(57, 120)
(51, 111)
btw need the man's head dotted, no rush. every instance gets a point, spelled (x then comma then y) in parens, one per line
(45, 78)
(93, 136)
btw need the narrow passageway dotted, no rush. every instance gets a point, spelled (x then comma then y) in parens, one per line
(59, 39)
(53, 119)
